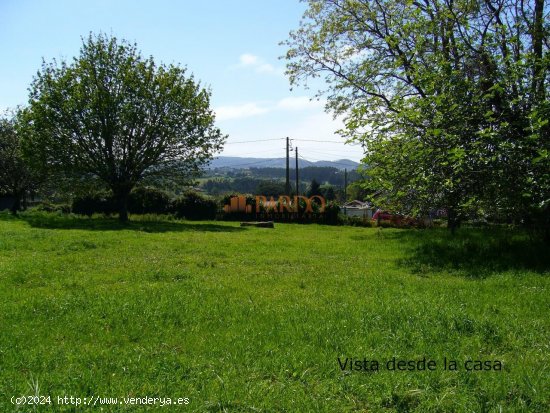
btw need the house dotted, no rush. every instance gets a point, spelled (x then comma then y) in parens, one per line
(358, 208)
(355, 204)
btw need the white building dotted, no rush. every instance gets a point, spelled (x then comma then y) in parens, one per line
(358, 208)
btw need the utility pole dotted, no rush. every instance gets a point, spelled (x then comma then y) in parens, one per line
(345, 190)
(346, 185)
(297, 178)
(287, 186)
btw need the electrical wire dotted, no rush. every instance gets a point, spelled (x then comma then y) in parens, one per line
(340, 153)
(252, 141)
(248, 163)
(311, 160)
(248, 154)
(324, 141)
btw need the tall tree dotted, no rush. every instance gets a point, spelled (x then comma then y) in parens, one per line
(314, 188)
(450, 98)
(113, 115)
(17, 177)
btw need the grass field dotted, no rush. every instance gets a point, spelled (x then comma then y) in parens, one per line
(254, 320)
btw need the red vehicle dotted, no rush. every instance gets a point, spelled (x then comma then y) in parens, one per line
(386, 216)
(397, 219)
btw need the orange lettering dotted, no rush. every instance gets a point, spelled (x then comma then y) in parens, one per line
(284, 205)
(260, 200)
(323, 203)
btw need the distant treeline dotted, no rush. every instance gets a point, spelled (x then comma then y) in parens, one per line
(244, 185)
(323, 174)
(271, 180)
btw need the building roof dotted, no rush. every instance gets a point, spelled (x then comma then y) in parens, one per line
(356, 204)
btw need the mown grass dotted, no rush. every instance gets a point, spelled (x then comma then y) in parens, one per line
(255, 319)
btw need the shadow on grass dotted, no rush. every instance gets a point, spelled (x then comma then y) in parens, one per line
(53, 221)
(473, 253)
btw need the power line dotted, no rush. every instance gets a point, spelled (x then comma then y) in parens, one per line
(251, 153)
(294, 139)
(325, 141)
(252, 141)
(262, 161)
(311, 160)
(248, 163)
(287, 182)
(340, 153)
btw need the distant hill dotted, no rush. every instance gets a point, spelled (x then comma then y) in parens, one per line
(234, 162)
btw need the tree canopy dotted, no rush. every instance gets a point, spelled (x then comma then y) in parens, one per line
(115, 116)
(17, 177)
(314, 188)
(449, 98)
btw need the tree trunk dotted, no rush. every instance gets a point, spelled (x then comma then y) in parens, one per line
(16, 203)
(453, 220)
(545, 224)
(121, 195)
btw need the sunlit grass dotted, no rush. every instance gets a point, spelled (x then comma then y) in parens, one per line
(255, 319)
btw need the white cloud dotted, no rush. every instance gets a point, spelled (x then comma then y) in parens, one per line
(258, 64)
(267, 68)
(299, 103)
(248, 59)
(318, 126)
(322, 127)
(245, 110)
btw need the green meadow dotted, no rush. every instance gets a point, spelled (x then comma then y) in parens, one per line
(262, 320)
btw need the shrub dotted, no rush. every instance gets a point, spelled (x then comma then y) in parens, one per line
(192, 205)
(331, 213)
(49, 207)
(357, 221)
(148, 201)
(537, 221)
(98, 203)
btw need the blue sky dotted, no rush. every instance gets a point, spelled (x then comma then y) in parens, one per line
(230, 46)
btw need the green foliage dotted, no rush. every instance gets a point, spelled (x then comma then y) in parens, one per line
(217, 186)
(355, 221)
(450, 99)
(56, 208)
(243, 184)
(328, 174)
(194, 206)
(249, 181)
(357, 191)
(314, 188)
(271, 188)
(327, 191)
(94, 203)
(537, 220)
(331, 213)
(119, 117)
(144, 200)
(17, 174)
